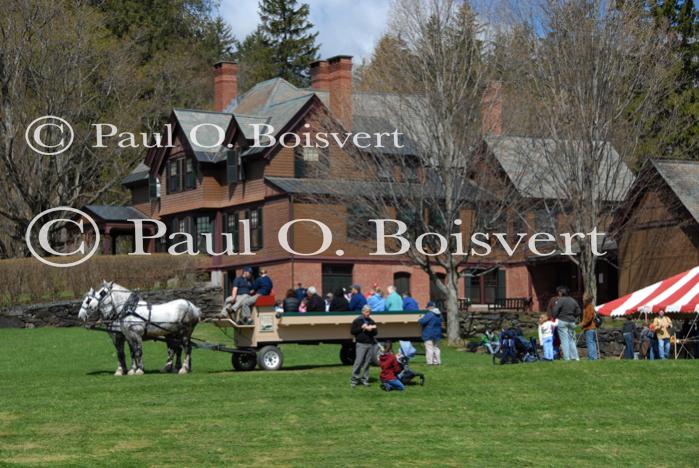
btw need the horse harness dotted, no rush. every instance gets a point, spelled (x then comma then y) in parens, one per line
(129, 308)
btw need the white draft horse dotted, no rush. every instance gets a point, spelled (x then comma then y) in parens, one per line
(132, 320)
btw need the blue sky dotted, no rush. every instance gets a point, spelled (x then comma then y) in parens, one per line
(347, 27)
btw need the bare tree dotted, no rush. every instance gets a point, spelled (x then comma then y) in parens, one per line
(57, 59)
(437, 91)
(596, 70)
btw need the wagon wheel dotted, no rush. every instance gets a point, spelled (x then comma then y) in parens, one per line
(244, 361)
(347, 354)
(270, 358)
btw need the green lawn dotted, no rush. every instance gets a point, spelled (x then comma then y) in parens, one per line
(60, 404)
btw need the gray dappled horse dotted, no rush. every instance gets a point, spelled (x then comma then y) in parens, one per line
(132, 320)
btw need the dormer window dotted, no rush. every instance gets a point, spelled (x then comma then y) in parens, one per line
(181, 175)
(234, 166)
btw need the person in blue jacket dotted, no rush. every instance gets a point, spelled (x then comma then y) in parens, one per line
(263, 284)
(431, 324)
(409, 303)
(376, 301)
(357, 301)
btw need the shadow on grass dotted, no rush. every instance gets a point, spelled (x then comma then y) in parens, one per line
(285, 368)
(146, 372)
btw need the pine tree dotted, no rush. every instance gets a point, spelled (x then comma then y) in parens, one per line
(679, 139)
(283, 45)
(255, 61)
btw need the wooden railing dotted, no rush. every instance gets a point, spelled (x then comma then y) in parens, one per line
(519, 304)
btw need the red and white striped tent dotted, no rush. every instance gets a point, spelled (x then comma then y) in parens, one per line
(678, 294)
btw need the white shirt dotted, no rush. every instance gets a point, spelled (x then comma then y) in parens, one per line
(546, 329)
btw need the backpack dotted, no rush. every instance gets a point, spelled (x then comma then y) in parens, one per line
(598, 320)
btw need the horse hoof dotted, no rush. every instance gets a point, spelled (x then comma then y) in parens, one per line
(166, 369)
(183, 371)
(119, 372)
(139, 372)
(131, 372)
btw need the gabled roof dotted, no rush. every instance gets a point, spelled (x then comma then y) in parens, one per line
(258, 99)
(115, 213)
(524, 160)
(273, 102)
(683, 178)
(139, 174)
(374, 113)
(206, 136)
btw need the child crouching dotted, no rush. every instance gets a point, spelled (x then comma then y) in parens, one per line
(389, 369)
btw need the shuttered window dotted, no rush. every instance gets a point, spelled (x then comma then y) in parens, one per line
(235, 170)
(255, 217)
(231, 226)
(190, 177)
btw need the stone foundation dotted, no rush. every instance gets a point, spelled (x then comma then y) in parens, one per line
(65, 313)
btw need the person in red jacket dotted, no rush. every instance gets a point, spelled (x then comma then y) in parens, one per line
(390, 369)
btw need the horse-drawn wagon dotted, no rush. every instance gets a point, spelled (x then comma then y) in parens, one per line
(258, 344)
(127, 318)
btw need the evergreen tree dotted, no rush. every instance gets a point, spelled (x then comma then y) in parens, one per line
(255, 61)
(283, 45)
(388, 53)
(679, 139)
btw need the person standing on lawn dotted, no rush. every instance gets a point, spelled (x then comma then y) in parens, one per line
(589, 326)
(629, 332)
(662, 326)
(431, 324)
(546, 328)
(364, 332)
(647, 342)
(393, 300)
(567, 311)
(390, 369)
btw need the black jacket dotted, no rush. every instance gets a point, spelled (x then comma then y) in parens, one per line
(291, 304)
(629, 327)
(315, 304)
(567, 309)
(363, 336)
(339, 304)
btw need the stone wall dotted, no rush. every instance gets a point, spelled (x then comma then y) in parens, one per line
(473, 324)
(65, 313)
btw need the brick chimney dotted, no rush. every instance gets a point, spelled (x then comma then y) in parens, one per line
(320, 75)
(491, 110)
(340, 87)
(225, 84)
